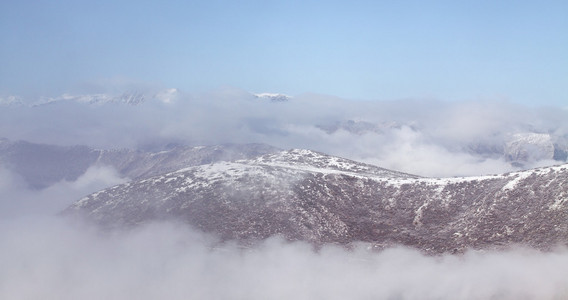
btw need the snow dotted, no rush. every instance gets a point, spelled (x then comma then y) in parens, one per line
(270, 95)
(531, 146)
(273, 96)
(517, 178)
(288, 166)
(299, 162)
(11, 101)
(559, 202)
(133, 98)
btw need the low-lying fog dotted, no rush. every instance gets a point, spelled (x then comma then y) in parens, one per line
(51, 259)
(48, 257)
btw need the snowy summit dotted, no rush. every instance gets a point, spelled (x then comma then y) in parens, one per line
(274, 97)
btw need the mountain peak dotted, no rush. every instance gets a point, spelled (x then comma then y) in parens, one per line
(323, 163)
(11, 101)
(274, 97)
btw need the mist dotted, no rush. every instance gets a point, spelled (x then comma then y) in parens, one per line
(51, 258)
(17, 199)
(424, 137)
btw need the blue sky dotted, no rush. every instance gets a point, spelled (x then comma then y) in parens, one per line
(383, 50)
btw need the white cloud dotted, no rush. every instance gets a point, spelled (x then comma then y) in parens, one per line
(50, 259)
(407, 150)
(427, 137)
(16, 200)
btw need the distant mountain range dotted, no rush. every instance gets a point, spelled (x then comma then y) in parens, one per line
(521, 145)
(11, 101)
(42, 165)
(314, 197)
(131, 98)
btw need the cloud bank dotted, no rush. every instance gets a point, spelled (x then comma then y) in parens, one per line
(53, 259)
(17, 200)
(426, 137)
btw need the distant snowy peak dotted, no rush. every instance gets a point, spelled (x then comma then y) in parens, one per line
(11, 101)
(529, 146)
(273, 97)
(130, 98)
(94, 99)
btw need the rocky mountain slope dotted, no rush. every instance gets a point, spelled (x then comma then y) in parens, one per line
(309, 196)
(41, 165)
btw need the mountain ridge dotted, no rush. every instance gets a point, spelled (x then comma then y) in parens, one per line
(316, 199)
(41, 165)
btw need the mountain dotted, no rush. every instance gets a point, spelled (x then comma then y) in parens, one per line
(11, 101)
(530, 146)
(133, 98)
(42, 165)
(523, 148)
(310, 196)
(273, 97)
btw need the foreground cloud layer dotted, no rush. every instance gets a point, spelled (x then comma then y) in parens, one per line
(61, 261)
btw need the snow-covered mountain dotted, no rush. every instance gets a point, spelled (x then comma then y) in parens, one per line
(41, 165)
(530, 146)
(274, 97)
(129, 97)
(310, 196)
(132, 98)
(11, 101)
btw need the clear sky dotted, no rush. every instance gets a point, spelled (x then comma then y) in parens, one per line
(448, 50)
